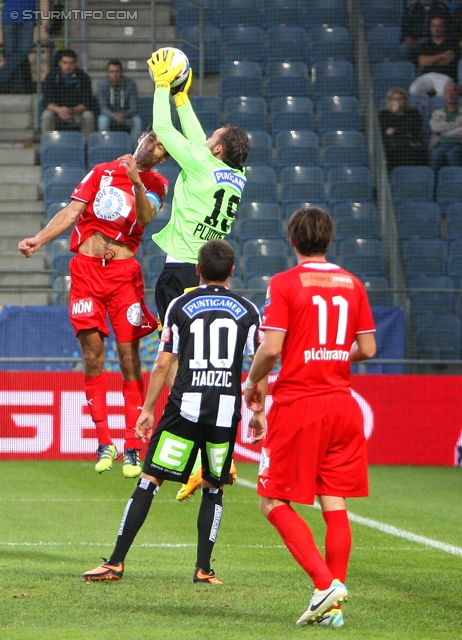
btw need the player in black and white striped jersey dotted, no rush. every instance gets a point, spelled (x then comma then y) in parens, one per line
(207, 330)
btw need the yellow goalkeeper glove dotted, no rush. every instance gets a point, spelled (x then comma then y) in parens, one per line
(160, 66)
(180, 93)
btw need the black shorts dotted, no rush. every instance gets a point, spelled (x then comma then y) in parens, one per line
(174, 280)
(173, 449)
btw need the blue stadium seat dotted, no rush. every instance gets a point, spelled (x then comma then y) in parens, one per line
(455, 269)
(63, 174)
(291, 113)
(437, 344)
(212, 45)
(260, 192)
(410, 208)
(260, 173)
(353, 246)
(60, 264)
(358, 210)
(418, 226)
(106, 146)
(261, 151)
(388, 74)
(208, 110)
(412, 183)
(349, 184)
(286, 43)
(62, 148)
(248, 113)
(453, 227)
(255, 228)
(356, 228)
(371, 265)
(341, 113)
(382, 13)
(343, 148)
(384, 44)
(327, 42)
(243, 43)
(241, 79)
(263, 265)
(287, 79)
(53, 208)
(435, 300)
(259, 211)
(239, 12)
(424, 265)
(329, 12)
(296, 148)
(373, 284)
(301, 174)
(264, 247)
(58, 192)
(332, 77)
(188, 14)
(276, 12)
(303, 191)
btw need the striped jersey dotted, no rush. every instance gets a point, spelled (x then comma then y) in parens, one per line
(209, 329)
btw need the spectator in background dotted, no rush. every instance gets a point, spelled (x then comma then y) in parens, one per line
(18, 22)
(67, 97)
(446, 125)
(402, 130)
(437, 58)
(416, 19)
(118, 101)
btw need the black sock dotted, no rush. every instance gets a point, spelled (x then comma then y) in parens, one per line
(208, 523)
(134, 516)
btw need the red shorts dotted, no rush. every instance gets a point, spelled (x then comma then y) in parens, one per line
(115, 289)
(315, 446)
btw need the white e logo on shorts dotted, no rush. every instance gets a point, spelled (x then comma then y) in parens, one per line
(172, 452)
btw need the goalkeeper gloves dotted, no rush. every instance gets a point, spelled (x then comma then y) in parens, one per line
(161, 68)
(180, 93)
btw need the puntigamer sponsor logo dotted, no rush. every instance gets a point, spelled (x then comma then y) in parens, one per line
(326, 354)
(231, 178)
(219, 303)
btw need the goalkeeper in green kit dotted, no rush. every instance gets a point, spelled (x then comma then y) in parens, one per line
(206, 194)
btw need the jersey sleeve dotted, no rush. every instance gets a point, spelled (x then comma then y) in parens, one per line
(169, 338)
(180, 148)
(253, 337)
(365, 318)
(190, 124)
(276, 314)
(86, 190)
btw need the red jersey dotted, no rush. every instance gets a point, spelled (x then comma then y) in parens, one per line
(110, 198)
(321, 307)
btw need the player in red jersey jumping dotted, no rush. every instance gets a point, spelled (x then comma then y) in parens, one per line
(317, 318)
(110, 209)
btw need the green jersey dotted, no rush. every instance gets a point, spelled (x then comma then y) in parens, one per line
(207, 191)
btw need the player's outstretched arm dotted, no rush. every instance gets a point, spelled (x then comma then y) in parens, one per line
(60, 223)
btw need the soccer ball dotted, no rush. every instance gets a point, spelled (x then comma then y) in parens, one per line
(178, 58)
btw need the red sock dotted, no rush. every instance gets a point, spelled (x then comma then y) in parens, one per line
(338, 542)
(95, 392)
(134, 399)
(298, 538)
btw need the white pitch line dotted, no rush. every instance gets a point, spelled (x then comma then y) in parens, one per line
(386, 528)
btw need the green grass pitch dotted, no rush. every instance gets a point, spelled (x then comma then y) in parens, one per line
(57, 519)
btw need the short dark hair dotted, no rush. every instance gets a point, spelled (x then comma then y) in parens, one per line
(216, 260)
(65, 53)
(113, 62)
(235, 146)
(311, 230)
